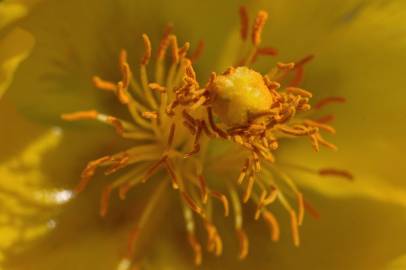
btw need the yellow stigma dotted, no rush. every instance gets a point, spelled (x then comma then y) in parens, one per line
(239, 94)
(174, 119)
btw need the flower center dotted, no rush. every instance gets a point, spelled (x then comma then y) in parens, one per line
(175, 119)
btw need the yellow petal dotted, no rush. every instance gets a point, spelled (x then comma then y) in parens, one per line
(11, 11)
(14, 48)
(363, 61)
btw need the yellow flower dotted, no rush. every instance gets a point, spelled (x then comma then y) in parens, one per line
(358, 48)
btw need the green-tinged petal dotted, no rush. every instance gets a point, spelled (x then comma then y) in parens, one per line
(27, 203)
(13, 10)
(397, 264)
(87, 42)
(359, 49)
(14, 48)
(363, 61)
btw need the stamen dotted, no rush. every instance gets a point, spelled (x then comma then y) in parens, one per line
(244, 23)
(89, 172)
(258, 26)
(325, 143)
(243, 171)
(294, 228)
(148, 50)
(203, 188)
(123, 56)
(325, 119)
(214, 242)
(299, 91)
(336, 172)
(150, 115)
(248, 190)
(194, 243)
(163, 45)
(104, 201)
(223, 200)
(191, 203)
(329, 100)
(311, 210)
(300, 203)
(196, 145)
(157, 87)
(213, 126)
(182, 52)
(285, 66)
(171, 135)
(121, 93)
(172, 174)
(273, 224)
(154, 167)
(103, 85)
(83, 115)
(197, 248)
(175, 49)
(244, 244)
(320, 125)
(267, 51)
(198, 52)
(126, 74)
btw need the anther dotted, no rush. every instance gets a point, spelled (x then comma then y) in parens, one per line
(244, 244)
(157, 87)
(121, 93)
(299, 91)
(223, 200)
(182, 52)
(248, 190)
(83, 115)
(198, 52)
(191, 203)
(244, 23)
(273, 225)
(171, 135)
(163, 45)
(104, 201)
(103, 85)
(258, 26)
(285, 66)
(150, 115)
(329, 100)
(294, 228)
(123, 57)
(336, 172)
(175, 49)
(196, 247)
(203, 188)
(172, 174)
(89, 172)
(148, 50)
(300, 204)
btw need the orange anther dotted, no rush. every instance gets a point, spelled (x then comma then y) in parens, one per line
(294, 228)
(336, 172)
(329, 100)
(244, 23)
(244, 244)
(157, 87)
(82, 115)
(150, 115)
(258, 26)
(273, 225)
(103, 85)
(148, 50)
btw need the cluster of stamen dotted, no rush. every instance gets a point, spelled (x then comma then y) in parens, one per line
(174, 121)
